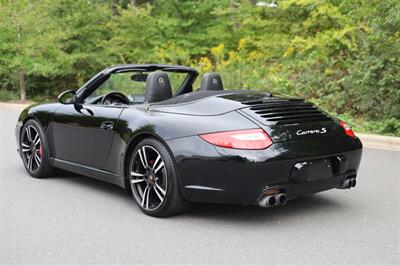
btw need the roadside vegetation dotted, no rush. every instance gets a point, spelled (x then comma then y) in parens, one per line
(342, 55)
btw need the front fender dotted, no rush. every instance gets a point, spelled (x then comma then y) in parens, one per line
(42, 113)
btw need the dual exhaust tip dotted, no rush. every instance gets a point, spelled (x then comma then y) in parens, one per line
(273, 200)
(348, 183)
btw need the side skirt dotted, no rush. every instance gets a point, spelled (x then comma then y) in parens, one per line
(89, 171)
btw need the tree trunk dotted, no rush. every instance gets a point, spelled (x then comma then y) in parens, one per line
(234, 7)
(134, 2)
(21, 72)
(22, 90)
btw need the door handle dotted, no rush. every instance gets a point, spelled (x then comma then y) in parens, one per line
(107, 125)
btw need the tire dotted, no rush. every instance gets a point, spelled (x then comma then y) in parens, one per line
(153, 180)
(35, 156)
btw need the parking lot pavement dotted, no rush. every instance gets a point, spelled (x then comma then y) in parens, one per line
(71, 219)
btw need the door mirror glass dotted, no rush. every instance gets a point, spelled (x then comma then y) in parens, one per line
(67, 97)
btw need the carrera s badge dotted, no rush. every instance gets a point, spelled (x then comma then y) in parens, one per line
(312, 131)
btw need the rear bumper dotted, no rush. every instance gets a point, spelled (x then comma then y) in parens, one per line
(211, 174)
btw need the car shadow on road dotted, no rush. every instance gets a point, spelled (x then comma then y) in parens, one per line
(85, 182)
(313, 205)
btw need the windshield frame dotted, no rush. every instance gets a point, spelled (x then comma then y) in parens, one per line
(104, 75)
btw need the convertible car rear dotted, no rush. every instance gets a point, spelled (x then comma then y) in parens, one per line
(170, 146)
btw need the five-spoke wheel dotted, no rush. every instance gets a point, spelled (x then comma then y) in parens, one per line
(153, 180)
(148, 177)
(31, 148)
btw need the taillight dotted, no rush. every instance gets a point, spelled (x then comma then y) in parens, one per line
(347, 129)
(248, 139)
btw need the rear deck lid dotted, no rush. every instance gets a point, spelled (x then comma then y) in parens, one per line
(287, 119)
(284, 118)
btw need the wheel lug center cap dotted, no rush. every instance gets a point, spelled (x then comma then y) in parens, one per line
(151, 178)
(148, 172)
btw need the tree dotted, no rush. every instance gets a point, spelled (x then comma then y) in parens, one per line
(15, 32)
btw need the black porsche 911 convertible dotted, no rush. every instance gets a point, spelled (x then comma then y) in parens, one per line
(144, 128)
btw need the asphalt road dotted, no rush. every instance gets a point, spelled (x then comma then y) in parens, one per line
(71, 219)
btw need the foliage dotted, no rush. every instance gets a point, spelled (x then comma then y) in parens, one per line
(343, 55)
(389, 126)
(8, 95)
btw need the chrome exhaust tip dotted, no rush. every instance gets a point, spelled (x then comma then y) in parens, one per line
(348, 183)
(345, 184)
(281, 199)
(267, 201)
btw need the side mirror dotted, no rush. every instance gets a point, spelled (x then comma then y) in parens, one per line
(67, 97)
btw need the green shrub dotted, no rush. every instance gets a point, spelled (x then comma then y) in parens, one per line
(8, 96)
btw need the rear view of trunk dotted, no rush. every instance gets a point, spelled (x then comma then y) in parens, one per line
(291, 119)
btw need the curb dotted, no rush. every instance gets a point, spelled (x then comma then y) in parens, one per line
(368, 140)
(13, 106)
(379, 141)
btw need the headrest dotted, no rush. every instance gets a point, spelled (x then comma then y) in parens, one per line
(211, 82)
(158, 87)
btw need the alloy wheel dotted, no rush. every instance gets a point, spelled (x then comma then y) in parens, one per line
(148, 177)
(31, 148)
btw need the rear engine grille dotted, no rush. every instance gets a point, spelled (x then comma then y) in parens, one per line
(282, 111)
